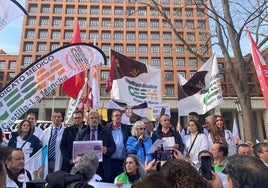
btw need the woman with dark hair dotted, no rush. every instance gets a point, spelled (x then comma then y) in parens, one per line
(195, 142)
(3, 140)
(25, 140)
(132, 171)
(219, 134)
(181, 174)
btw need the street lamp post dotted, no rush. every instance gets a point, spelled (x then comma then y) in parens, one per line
(238, 106)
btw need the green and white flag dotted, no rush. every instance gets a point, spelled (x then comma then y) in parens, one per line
(202, 92)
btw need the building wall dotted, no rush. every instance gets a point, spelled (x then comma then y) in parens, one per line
(128, 28)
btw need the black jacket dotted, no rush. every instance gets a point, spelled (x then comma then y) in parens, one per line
(108, 141)
(158, 135)
(66, 146)
(35, 142)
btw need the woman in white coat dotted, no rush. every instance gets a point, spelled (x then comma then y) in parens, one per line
(220, 134)
(46, 136)
(195, 142)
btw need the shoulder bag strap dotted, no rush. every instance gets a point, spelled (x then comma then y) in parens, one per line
(193, 143)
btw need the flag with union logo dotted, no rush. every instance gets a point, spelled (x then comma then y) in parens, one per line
(202, 92)
(133, 82)
(42, 77)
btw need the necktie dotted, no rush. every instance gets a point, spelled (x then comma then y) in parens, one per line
(52, 146)
(93, 134)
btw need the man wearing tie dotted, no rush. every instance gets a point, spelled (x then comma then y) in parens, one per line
(52, 137)
(95, 131)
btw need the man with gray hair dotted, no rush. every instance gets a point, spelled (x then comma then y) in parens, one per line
(81, 173)
(86, 167)
(95, 131)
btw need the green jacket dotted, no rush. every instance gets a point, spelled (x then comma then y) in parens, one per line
(123, 178)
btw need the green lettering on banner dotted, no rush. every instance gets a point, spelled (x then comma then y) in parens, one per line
(29, 87)
(4, 115)
(140, 94)
(13, 100)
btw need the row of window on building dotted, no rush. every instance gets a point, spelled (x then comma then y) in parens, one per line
(118, 23)
(130, 48)
(118, 10)
(117, 35)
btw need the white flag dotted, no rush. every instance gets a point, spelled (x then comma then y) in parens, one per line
(93, 95)
(73, 105)
(9, 10)
(202, 92)
(235, 129)
(133, 82)
(36, 164)
(140, 110)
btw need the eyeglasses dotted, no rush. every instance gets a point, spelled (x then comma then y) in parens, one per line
(142, 128)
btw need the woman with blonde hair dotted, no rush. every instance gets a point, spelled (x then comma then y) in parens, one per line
(219, 134)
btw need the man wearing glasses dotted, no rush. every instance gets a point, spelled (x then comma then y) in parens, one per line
(120, 133)
(68, 137)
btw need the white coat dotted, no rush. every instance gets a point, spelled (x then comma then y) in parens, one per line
(201, 143)
(12, 183)
(45, 137)
(230, 141)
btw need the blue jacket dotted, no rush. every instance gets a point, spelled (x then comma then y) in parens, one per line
(140, 149)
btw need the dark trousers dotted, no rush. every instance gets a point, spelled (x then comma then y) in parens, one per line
(51, 165)
(117, 167)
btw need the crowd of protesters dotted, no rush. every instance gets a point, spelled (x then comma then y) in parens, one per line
(177, 159)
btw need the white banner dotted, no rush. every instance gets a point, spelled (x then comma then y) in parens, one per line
(43, 76)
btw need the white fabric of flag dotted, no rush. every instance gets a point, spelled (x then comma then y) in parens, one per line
(93, 95)
(73, 104)
(140, 110)
(36, 164)
(202, 92)
(9, 10)
(235, 129)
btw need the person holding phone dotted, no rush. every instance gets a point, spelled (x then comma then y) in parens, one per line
(206, 161)
(139, 143)
(195, 142)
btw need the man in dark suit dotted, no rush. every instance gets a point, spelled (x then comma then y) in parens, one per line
(95, 131)
(68, 137)
(120, 133)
